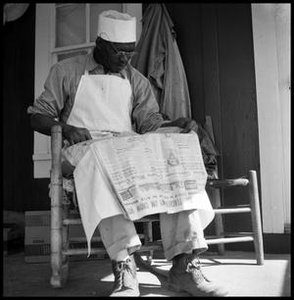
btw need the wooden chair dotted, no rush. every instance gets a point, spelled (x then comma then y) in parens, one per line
(61, 218)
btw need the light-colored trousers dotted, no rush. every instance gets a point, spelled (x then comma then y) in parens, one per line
(180, 232)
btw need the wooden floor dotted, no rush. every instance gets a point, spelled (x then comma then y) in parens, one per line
(236, 271)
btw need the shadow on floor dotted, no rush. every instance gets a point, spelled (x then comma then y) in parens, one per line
(237, 272)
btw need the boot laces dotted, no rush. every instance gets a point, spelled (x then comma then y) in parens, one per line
(121, 270)
(194, 267)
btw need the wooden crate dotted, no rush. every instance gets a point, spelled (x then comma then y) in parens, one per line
(37, 238)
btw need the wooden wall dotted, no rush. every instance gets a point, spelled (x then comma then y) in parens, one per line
(216, 45)
(18, 42)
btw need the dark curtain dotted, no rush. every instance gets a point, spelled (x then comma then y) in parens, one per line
(18, 42)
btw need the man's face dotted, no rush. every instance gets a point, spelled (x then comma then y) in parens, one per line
(117, 55)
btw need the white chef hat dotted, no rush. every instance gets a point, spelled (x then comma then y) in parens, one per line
(117, 27)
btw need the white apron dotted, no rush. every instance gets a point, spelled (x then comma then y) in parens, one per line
(103, 103)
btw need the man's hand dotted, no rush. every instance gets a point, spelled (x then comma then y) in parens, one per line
(185, 123)
(43, 124)
(74, 134)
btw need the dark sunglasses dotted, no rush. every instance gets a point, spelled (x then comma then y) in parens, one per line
(127, 54)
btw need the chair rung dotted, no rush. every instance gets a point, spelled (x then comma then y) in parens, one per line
(229, 240)
(84, 251)
(157, 245)
(229, 235)
(237, 234)
(148, 219)
(150, 248)
(156, 218)
(82, 239)
(219, 183)
(72, 221)
(232, 210)
(78, 239)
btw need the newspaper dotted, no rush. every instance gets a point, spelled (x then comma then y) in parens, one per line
(154, 172)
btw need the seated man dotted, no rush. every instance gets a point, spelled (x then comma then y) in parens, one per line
(102, 92)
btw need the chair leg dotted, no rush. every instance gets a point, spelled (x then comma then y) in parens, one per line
(214, 196)
(56, 246)
(59, 242)
(59, 273)
(65, 241)
(148, 237)
(219, 227)
(255, 215)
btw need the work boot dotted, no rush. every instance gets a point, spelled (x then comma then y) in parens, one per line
(125, 278)
(186, 275)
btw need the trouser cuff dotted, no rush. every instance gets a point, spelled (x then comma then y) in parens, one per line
(196, 246)
(130, 244)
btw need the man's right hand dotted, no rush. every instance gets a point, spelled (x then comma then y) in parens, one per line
(74, 134)
(43, 124)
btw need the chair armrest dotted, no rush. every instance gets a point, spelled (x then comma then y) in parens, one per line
(56, 171)
(56, 146)
(221, 183)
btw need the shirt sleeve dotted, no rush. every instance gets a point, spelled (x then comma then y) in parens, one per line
(53, 98)
(145, 115)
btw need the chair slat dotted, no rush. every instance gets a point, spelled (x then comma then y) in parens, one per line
(229, 240)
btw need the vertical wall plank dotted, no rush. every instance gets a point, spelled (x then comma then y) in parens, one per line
(17, 94)
(238, 100)
(269, 114)
(211, 75)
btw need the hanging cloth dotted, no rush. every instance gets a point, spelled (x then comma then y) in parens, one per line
(160, 61)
